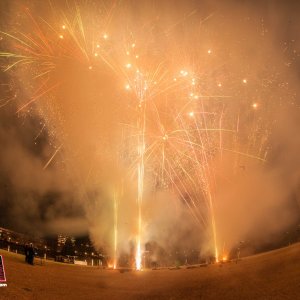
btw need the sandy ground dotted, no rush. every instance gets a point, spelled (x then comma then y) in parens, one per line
(272, 275)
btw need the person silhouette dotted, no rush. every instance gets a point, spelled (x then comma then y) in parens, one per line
(30, 254)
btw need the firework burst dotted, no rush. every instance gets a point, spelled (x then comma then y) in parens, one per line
(188, 121)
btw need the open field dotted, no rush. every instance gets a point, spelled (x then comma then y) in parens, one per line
(272, 275)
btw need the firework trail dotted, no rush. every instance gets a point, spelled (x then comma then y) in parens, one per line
(51, 158)
(115, 230)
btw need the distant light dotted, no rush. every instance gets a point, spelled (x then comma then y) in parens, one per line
(133, 45)
(61, 36)
(254, 105)
(90, 67)
(128, 66)
(244, 80)
(98, 46)
(96, 54)
(219, 84)
(105, 36)
(196, 97)
(63, 27)
(184, 73)
(136, 56)
(191, 114)
(127, 53)
(165, 137)
(209, 51)
(127, 87)
(175, 79)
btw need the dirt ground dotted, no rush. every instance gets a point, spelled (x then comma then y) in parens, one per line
(272, 275)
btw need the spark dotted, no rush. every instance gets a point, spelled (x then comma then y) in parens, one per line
(51, 158)
(184, 73)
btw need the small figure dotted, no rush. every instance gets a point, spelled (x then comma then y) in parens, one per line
(30, 254)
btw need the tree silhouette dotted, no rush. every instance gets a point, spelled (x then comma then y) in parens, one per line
(68, 248)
